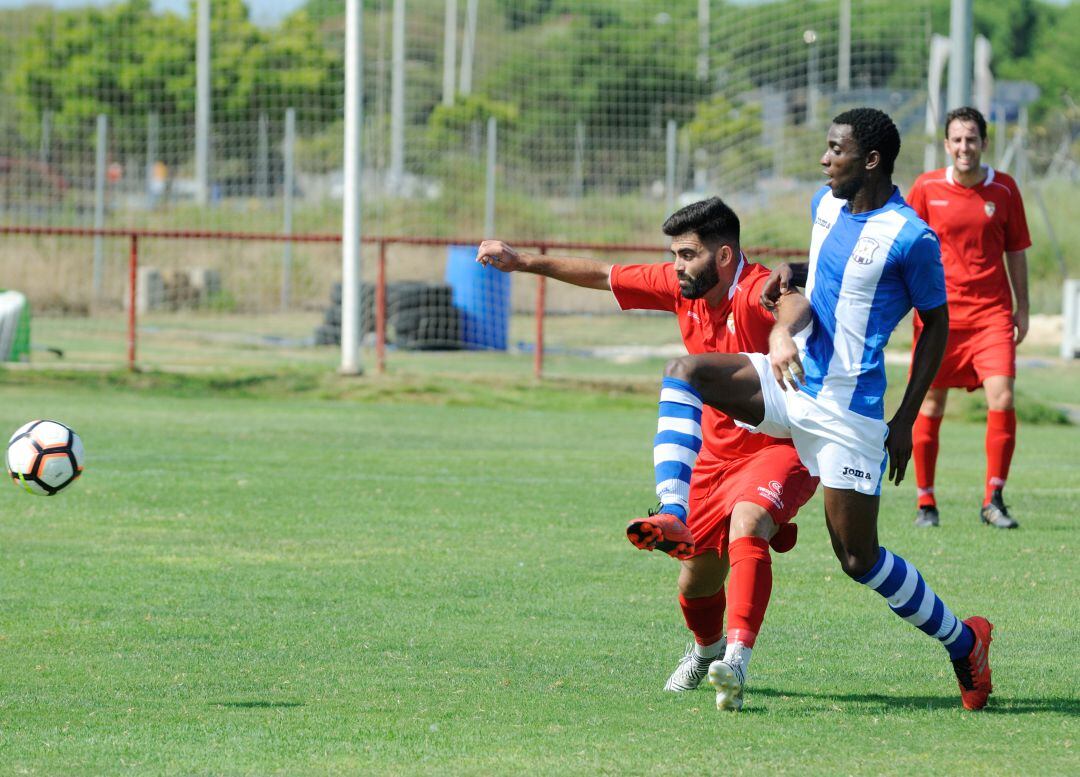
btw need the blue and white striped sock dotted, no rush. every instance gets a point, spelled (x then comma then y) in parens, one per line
(677, 444)
(913, 600)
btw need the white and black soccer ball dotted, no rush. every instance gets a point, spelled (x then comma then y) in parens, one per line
(44, 457)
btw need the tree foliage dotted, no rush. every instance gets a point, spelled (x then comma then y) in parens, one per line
(610, 72)
(585, 69)
(729, 135)
(128, 62)
(1049, 38)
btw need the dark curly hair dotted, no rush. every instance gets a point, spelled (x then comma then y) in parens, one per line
(710, 220)
(873, 130)
(967, 113)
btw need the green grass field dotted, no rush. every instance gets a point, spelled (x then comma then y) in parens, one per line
(251, 579)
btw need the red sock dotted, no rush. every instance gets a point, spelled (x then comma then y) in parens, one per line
(1000, 444)
(705, 616)
(924, 451)
(750, 588)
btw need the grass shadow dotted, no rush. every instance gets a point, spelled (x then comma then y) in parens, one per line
(997, 705)
(257, 704)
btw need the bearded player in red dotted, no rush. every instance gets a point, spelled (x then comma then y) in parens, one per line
(744, 489)
(978, 214)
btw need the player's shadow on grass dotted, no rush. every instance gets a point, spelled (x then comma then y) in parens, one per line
(997, 706)
(251, 705)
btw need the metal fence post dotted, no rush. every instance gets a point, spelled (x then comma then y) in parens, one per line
(670, 164)
(541, 302)
(133, 274)
(288, 152)
(101, 161)
(489, 189)
(380, 311)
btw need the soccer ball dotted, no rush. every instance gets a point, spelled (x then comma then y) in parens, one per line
(44, 457)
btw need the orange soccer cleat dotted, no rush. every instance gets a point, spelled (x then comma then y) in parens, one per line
(973, 671)
(661, 531)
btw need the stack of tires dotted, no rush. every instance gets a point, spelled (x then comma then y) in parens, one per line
(329, 332)
(422, 316)
(419, 316)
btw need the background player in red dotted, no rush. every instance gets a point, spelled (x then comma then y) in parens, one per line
(744, 488)
(978, 214)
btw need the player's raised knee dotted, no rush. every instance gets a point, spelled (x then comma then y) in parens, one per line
(856, 565)
(681, 368)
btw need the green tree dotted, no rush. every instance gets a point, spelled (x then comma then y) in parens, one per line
(621, 70)
(729, 133)
(1051, 64)
(1011, 26)
(121, 61)
(451, 125)
(127, 62)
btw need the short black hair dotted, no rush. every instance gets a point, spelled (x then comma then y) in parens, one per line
(873, 130)
(966, 113)
(711, 220)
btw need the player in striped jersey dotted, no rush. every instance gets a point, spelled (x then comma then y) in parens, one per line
(823, 383)
(723, 510)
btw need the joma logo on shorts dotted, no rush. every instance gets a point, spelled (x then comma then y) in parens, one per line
(856, 473)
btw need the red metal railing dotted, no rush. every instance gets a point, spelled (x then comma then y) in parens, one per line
(383, 242)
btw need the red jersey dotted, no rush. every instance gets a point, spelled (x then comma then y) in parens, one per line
(976, 226)
(738, 325)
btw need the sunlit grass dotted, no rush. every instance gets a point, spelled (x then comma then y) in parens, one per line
(252, 580)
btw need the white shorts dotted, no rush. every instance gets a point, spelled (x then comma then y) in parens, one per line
(846, 450)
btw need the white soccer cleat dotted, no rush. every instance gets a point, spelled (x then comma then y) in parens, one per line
(691, 670)
(728, 678)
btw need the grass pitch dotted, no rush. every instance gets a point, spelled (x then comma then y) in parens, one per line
(245, 583)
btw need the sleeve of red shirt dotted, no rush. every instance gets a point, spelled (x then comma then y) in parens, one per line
(1017, 237)
(917, 198)
(645, 286)
(753, 299)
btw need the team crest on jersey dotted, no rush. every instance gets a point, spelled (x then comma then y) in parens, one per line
(731, 323)
(989, 208)
(865, 251)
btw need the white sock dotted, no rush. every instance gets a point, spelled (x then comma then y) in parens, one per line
(738, 653)
(710, 651)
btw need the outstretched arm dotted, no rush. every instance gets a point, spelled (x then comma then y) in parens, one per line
(579, 271)
(924, 366)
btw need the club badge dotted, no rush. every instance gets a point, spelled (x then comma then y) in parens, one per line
(865, 251)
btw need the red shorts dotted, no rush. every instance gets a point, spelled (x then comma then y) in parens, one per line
(973, 355)
(773, 478)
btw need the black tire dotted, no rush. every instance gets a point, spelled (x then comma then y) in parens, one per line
(403, 295)
(367, 307)
(405, 325)
(425, 296)
(430, 329)
(326, 335)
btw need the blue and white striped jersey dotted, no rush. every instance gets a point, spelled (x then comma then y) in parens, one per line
(867, 270)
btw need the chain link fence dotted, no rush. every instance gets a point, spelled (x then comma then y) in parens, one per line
(582, 120)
